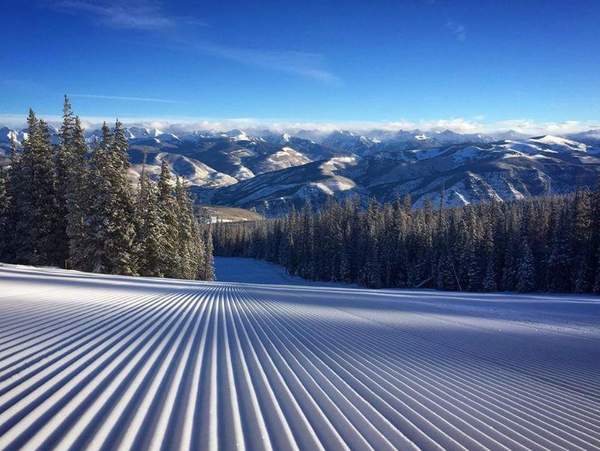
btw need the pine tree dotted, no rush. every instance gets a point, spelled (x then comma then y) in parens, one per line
(70, 173)
(581, 245)
(12, 181)
(110, 231)
(37, 225)
(152, 231)
(526, 270)
(596, 288)
(372, 271)
(194, 262)
(498, 246)
(55, 204)
(445, 274)
(4, 211)
(559, 262)
(63, 166)
(75, 197)
(120, 145)
(489, 282)
(208, 270)
(174, 247)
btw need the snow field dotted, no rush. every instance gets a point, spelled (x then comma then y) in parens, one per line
(109, 362)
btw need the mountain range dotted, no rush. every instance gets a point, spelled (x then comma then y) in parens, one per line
(270, 171)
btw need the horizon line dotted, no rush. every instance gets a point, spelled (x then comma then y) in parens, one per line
(457, 125)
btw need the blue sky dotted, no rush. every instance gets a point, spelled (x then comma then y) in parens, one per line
(406, 62)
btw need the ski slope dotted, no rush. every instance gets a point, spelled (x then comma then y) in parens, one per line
(108, 362)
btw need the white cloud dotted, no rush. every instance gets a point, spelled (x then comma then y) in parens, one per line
(458, 125)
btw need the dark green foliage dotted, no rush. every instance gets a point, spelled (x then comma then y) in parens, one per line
(35, 199)
(4, 206)
(538, 244)
(76, 193)
(194, 258)
(152, 232)
(525, 271)
(57, 207)
(71, 174)
(110, 227)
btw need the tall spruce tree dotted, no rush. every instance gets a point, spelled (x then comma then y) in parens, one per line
(63, 167)
(110, 230)
(12, 181)
(4, 210)
(76, 196)
(582, 254)
(152, 232)
(70, 179)
(526, 270)
(596, 288)
(174, 248)
(195, 262)
(34, 188)
(120, 145)
(559, 260)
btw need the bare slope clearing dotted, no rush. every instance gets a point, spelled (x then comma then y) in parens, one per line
(89, 361)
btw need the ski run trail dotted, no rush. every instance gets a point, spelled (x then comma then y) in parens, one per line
(106, 362)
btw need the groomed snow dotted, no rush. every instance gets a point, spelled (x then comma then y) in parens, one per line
(104, 362)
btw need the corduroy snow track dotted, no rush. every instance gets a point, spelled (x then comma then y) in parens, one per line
(108, 362)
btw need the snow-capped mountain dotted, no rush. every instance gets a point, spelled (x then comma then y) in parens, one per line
(272, 171)
(465, 173)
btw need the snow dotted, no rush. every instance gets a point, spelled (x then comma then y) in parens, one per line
(558, 142)
(425, 154)
(335, 184)
(248, 270)
(95, 361)
(466, 154)
(236, 135)
(284, 158)
(338, 163)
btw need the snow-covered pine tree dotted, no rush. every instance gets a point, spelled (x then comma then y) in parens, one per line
(152, 231)
(75, 196)
(372, 271)
(64, 165)
(525, 271)
(559, 262)
(174, 250)
(489, 281)
(110, 229)
(13, 177)
(502, 246)
(596, 288)
(4, 209)
(207, 271)
(582, 250)
(120, 145)
(34, 189)
(194, 262)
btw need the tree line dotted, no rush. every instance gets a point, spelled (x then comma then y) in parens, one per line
(536, 244)
(70, 206)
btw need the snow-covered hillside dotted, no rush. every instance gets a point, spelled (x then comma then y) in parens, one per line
(105, 362)
(272, 172)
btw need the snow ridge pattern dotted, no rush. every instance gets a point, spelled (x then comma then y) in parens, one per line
(102, 362)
